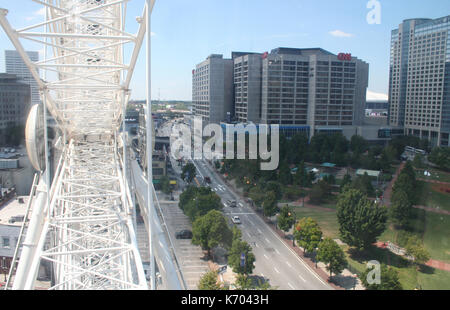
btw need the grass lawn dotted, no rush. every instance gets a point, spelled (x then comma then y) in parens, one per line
(432, 196)
(326, 220)
(436, 174)
(428, 278)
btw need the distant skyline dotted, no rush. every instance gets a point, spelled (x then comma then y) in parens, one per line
(184, 33)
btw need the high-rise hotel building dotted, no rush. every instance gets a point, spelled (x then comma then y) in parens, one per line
(313, 88)
(212, 89)
(419, 84)
(15, 65)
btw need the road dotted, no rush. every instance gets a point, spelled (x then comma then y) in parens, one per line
(274, 259)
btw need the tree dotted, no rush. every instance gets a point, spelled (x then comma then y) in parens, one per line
(347, 180)
(358, 144)
(189, 172)
(418, 161)
(440, 156)
(415, 249)
(308, 234)
(406, 184)
(285, 176)
(401, 208)
(243, 282)
(257, 195)
(331, 254)
(364, 184)
(197, 201)
(320, 192)
(165, 185)
(238, 248)
(360, 220)
(211, 230)
(269, 204)
(301, 178)
(286, 219)
(389, 279)
(274, 187)
(209, 282)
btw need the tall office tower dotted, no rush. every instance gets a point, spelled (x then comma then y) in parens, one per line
(313, 90)
(419, 81)
(247, 87)
(14, 103)
(212, 89)
(15, 65)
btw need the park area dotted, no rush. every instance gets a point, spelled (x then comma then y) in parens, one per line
(430, 226)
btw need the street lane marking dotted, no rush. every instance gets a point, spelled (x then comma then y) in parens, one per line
(274, 268)
(259, 230)
(278, 252)
(241, 205)
(289, 264)
(256, 244)
(290, 285)
(266, 256)
(267, 240)
(302, 278)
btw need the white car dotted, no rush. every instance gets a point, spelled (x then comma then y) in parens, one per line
(236, 220)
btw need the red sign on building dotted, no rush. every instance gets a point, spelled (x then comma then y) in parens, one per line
(345, 56)
(264, 56)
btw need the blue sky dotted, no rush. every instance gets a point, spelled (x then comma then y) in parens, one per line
(187, 31)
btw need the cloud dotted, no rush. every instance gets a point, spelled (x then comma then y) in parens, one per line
(40, 12)
(373, 96)
(341, 34)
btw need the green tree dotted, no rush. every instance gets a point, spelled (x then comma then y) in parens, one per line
(238, 248)
(364, 184)
(360, 220)
(274, 187)
(440, 156)
(389, 279)
(406, 184)
(208, 282)
(269, 204)
(418, 161)
(358, 144)
(210, 231)
(244, 282)
(165, 185)
(331, 254)
(401, 208)
(197, 201)
(307, 233)
(320, 192)
(347, 180)
(285, 176)
(286, 219)
(257, 195)
(415, 248)
(189, 172)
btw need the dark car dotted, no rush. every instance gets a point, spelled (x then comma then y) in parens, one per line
(184, 234)
(208, 180)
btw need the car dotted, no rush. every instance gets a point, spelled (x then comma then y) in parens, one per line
(236, 220)
(208, 180)
(183, 234)
(232, 203)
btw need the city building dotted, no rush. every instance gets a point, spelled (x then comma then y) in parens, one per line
(247, 87)
(313, 90)
(14, 103)
(15, 65)
(419, 81)
(212, 89)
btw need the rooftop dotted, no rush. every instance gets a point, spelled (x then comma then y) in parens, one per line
(13, 209)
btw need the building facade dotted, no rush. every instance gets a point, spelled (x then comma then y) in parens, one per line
(247, 88)
(212, 89)
(314, 88)
(419, 79)
(15, 65)
(14, 103)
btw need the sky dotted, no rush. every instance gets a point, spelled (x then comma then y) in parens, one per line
(185, 32)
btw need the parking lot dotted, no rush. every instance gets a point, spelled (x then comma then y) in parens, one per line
(190, 257)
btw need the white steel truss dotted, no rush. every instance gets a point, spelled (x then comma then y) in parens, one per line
(85, 228)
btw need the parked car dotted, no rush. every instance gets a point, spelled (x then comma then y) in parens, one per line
(184, 234)
(236, 220)
(208, 180)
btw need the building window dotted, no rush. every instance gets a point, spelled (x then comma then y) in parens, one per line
(6, 242)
